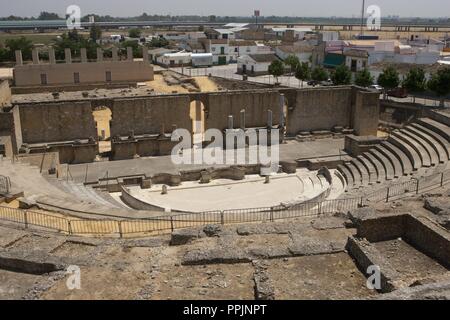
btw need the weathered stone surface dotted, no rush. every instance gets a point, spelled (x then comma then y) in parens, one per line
(184, 236)
(434, 291)
(279, 228)
(37, 263)
(268, 252)
(439, 206)
(361, 214)
(306, 246)
(326, 223)
(264, 289)
(216, 256)
(365, 255)
(213, 230)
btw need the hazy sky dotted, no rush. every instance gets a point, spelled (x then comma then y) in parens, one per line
(404, 8)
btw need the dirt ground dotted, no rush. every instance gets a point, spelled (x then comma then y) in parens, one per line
(324, 277)
(161, 86)
(410, 263)
(14, 285)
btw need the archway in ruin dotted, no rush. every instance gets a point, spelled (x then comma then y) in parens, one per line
(102, 117)
(197, 114)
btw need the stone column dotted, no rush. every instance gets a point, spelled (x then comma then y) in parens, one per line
(84, 58)
(19, 58)
(51, 55)
(68, 55)
(115, 54)
(35, 54)
(230, 122)
(99, 55)
(129, 53)
(145, 54)
(282, 103)
(242, 119)
(269, 119)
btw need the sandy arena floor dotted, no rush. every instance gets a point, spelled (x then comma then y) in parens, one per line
(224, 194)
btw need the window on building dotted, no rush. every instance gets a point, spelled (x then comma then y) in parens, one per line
(224, 36)
(76, 77)
(213, 49)
(108, 76)
(44, 79)
(354, 65)
(222, 50)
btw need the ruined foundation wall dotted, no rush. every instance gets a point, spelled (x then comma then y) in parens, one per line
(319, 109)
(55, 122)
(256, 105)
(5, 93)
(93, 72)
(366, 112)
(7, 134)
(146, 116)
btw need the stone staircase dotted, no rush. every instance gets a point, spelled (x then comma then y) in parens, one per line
(420, 148)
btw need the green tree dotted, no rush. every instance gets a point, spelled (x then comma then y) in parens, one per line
(302, 72)
(389, 80)
(74, 41)
(319, 74)
(135, 33)
(276, 69)
(363, 78)
(4, 55)
(341, 76)
(95, 33)
(158, 42)
(137, 51)
(415, 81)
(23, 44)
(292, 61)
(44, 15)
(440, 84)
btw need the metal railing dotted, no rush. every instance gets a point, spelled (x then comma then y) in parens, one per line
(30, 219)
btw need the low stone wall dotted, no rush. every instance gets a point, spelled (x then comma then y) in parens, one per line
(357, 145)
(367, 255)
(143, 147)
(70, 153)
(5, 93)
(430, 239)
(137, 204)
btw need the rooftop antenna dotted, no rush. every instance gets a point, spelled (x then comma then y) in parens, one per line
(362, 16)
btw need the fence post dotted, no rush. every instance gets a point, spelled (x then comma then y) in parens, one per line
(442, 179)
(222, 218)
(319, 209)
(271, 214)
(387, 194)
(417, 186)
(69, 226)
(362, 202)
(171, 223)
(25, 218)
(120, 229)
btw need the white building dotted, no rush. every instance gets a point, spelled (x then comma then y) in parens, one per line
(393, 52)
(177, 59)
(302, 52)
(239, 48)
(299, 33)
(255, 64)
(356, 60)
